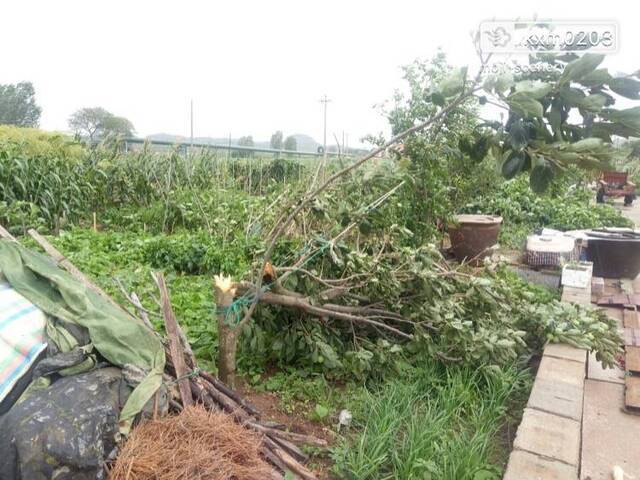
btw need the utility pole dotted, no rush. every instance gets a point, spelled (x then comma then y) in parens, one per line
(324, 100)
(192, 122)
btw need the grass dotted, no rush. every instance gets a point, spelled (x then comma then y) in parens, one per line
(436, 423)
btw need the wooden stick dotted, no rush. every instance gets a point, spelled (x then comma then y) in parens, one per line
(201, 394)
(271, 457)
(177, 355)
(186, 347)
(290, 448)
(227, 403)
(291, 436)
(61, 260)
(4, 233)
(292, 464)
(219, 385)
(142, 312)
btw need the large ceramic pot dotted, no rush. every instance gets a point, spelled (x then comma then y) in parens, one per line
(473, 235)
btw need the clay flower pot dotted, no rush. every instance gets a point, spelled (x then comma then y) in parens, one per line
(473, 235)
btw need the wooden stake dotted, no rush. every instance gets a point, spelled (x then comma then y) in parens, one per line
(177, 355)
(4, 233)
(61, 260)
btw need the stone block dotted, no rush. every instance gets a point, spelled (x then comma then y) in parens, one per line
(549, 435)
(528, 466)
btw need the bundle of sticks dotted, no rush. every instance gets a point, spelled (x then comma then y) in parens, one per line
(280, 447)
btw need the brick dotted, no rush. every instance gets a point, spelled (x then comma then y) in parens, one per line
(631, 336)
(630, 318)
(609, 435)
(576, 295)
(527, 466)
(632, 359)
(567, 352)
(549, 435)
(627, 285)
(632, 392)
(560, 398)
(597, 286)
(561, 370)
(614, 312)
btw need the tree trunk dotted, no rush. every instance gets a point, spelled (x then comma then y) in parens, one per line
(227, 346)
(227, 334)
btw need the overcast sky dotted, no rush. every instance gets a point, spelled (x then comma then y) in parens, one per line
(253, 67)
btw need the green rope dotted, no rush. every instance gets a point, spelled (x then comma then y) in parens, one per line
(194, 373)
(234, 312)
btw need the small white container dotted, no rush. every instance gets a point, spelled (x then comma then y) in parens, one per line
(577, 274)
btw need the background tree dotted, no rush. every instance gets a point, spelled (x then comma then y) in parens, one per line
(557, 113)
(246, 141)
(276, 140)
(291, 143)
(18, 105)
(97, 124)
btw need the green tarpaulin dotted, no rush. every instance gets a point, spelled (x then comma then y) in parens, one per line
(120, 338)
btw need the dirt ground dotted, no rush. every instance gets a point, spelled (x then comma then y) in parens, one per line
(297, 421)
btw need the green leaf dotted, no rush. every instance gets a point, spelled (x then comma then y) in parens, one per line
(586, 145)
(604, 130)
(627, 87)
(593, 103)
(629, 117)
(581, 67)
(503, 82)
(541, 175)
(518, 136)
(480, 148)
(321, 411)
(329, 354)
(525, 105)
(573, 96)
(438, 99)
(555, 118)
(485, 475)
(453, 83)
(535, 90)
(513, 165)
(598, 77)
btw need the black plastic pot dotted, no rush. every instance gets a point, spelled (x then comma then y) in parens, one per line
(614, 254)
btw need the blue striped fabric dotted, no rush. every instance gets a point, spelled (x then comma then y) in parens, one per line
(21, 336)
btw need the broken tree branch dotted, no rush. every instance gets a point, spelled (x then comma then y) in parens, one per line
(318, 311)
(285, 221)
